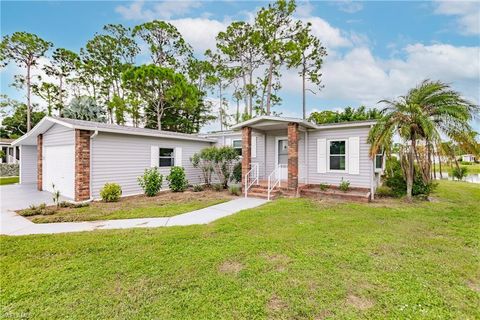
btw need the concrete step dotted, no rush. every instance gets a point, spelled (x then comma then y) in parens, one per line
(262, 195)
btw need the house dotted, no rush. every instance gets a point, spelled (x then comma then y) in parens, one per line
(468, 158)
(79, 157)
(11, 154)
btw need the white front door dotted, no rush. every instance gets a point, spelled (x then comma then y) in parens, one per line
(281, 157)
(59, 169)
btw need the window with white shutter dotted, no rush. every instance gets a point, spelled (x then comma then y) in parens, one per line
(354, 155)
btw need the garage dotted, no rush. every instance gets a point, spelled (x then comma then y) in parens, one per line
(58, 169)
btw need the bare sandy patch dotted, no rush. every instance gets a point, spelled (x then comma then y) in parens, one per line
(230, 267)
(359, 303)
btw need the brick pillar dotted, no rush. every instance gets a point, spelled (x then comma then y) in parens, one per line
(293, 155)
(246, 151)
(82, 165)
(39, 162)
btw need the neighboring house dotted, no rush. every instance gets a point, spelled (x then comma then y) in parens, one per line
(12, 154)
(79, 157)
(468, 158)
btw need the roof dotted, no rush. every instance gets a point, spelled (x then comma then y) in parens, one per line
(6, 141)
(47, 122)
(270, 120)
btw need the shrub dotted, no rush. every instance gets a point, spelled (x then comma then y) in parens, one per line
(217, 187)
(111, 192)
(177, 179)
(384, 191)
(151, 181)
(324, 186)
(235, 190)
(344, 185)
(41, 209)
(237, 173)
(204, 161)
(396, 182)
(219, 160)
(459, 173)
(198, 188)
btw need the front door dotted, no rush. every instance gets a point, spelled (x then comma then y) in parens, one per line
(281, 157)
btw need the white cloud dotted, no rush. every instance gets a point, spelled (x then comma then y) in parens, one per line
(138, 10)
(330, 36)
(349, 6)
(200, 32)
(359, 76)
(467, 13)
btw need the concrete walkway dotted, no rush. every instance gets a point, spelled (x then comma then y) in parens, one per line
(15, 225)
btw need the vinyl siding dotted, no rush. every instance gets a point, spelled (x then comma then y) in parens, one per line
(58, 135)
(122, 158)
(28, 164)
(363, 179)
(260, 158)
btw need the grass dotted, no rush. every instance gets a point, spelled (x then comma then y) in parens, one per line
(289, 259)
(166, 204)
(8, 180)
(472, 168)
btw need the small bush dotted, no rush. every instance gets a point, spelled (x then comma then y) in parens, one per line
(324, 186)
(217, 187)
(151, 181)
(198, 188)
(384, 191)
(41, 209)
(459, 173)
(344, 185)
(237, 173)
(396, 182)
(235, 190)
(111, 192)
(177, 179)
(66, 204)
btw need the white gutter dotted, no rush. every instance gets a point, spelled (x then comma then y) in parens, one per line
(372, 174)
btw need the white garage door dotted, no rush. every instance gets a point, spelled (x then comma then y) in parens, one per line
(59, 169)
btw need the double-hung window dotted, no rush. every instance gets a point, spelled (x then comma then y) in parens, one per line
(237, 145)
(337, 155)
(166, 157)
(379, 161)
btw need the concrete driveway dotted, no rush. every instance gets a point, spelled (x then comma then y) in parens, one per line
(19, 196)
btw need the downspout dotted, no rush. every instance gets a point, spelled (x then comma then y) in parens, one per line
(91, 167)
(306, 155)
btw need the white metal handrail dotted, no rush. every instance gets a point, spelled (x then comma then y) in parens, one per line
(277, 174)
(254, 171)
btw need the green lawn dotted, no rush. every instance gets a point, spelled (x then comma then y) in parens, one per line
(8, 180)
(166, 204)
(289, 259)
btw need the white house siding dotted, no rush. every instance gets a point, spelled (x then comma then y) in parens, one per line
(122, 158)
(59, 135)
(363, 179)
(28, 164)
(260, 158)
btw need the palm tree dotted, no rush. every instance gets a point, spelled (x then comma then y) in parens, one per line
(421, 119)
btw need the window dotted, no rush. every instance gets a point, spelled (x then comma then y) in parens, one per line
(166, 157)
(237, 145)
(337, 155)
(378, 161)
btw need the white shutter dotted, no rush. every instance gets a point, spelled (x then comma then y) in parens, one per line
(321, 155)
(353, 164)
(178, 157)
(228, 142)
(254, 146)
(154, 156)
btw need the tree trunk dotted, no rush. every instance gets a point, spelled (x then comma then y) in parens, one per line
(60, 97)
(303, 92)
(250, 98)
(29, 104)
(410, 171)
(440, 166)
(269, 86)
(159, 117)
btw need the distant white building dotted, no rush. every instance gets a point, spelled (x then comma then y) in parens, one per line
(468, 158)
(11, 153)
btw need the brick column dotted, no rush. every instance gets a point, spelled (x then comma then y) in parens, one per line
(293, 155)
(39, 162)
(246, 152)
(82, 165)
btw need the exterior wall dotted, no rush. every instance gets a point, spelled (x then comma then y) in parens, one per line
(362, 180)
(28, 164)
(122, 158)
(260, 158)
(40, 162)
(58, 135)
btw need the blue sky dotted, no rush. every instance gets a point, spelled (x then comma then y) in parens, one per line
(376, 49)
